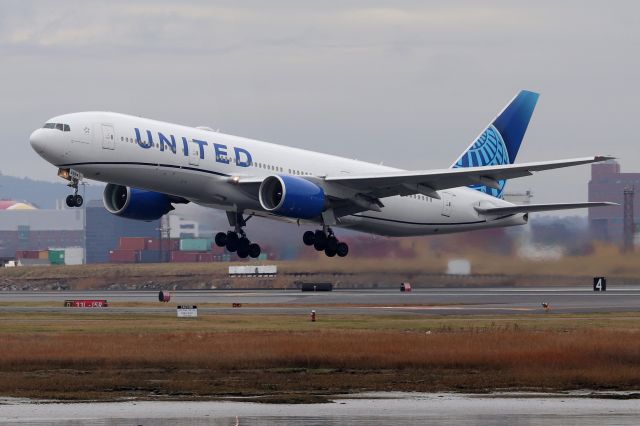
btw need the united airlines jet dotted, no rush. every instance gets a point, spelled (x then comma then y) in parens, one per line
(151, 165)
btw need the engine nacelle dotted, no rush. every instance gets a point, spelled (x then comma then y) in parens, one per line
(292, 196)
(135, 203)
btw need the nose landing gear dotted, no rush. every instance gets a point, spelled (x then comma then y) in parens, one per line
(325, 240)
(74, 200)
(74, 178)
(236, 240)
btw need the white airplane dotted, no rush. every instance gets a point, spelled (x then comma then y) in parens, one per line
(150, 165)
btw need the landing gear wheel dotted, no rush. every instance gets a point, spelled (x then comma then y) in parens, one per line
(78, 200)
(320, 238)
(243, 245)
(254, 250)
(232, 241)
(243, 253)
(309, 238)
(221, 239)
(330, 252)
(342, 249)
(332, 244)
(71, 202)
(319, 245)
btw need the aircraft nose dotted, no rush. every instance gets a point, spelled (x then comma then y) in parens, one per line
(37, 140)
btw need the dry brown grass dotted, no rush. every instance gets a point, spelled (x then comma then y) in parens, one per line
(205, 364)
(605, 260)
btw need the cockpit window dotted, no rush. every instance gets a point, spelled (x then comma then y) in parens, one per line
(59, 126)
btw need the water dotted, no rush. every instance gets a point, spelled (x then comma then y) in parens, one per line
(369, 409)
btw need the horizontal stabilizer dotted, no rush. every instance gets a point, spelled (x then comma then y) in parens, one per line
(526, 208)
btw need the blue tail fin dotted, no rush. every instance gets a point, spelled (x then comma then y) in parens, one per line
(500, 141)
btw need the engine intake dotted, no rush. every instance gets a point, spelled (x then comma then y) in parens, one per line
(134, 203)
(292, 196)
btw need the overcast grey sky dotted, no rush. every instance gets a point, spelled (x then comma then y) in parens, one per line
(408, 83)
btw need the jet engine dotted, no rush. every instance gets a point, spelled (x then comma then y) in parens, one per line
(292, 196)
(134, 203)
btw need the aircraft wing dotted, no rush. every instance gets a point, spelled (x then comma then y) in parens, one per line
(351, 194)
(526, 208)
(382, 185)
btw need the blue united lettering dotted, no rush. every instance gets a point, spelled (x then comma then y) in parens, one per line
(221, 152)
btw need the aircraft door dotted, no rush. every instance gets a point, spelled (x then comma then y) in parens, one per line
(108, 137)
(194, 154)
(447, 203)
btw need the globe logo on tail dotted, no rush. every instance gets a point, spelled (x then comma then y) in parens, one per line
(488, 150)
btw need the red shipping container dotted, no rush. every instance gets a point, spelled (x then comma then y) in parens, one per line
(152, 244)
(28, 254)
(124, 256)
(217, 250)
(167, 245)
(132, 243)
(206, 257)
(184, 256)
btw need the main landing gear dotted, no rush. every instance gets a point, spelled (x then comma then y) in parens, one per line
(325, 240)
(74, 200)
(236, 240)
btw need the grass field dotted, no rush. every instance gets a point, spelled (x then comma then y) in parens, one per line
(605, 260)
(283, 357)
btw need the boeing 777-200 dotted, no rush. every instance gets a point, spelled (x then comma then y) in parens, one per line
(151, 165)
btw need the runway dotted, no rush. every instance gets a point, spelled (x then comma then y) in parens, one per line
(380, 408)
(447, 301)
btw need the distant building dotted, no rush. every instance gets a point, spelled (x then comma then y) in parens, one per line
(607, 184)
(181, 227)
(27, 228)
(15, 205)
(103, 231)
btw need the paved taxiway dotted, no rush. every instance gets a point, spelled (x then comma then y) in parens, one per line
(439, 301)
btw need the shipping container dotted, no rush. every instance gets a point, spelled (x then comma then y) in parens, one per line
(216, 250)
(174, 244)
(206, 257)
(73, 256)
(151, 256)
(29, 254)
(195, 244)
(184, 256)
(152, 244)
(43, 254)
(132, 243)
(56, 256)
(124, 256)
(166, 245)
